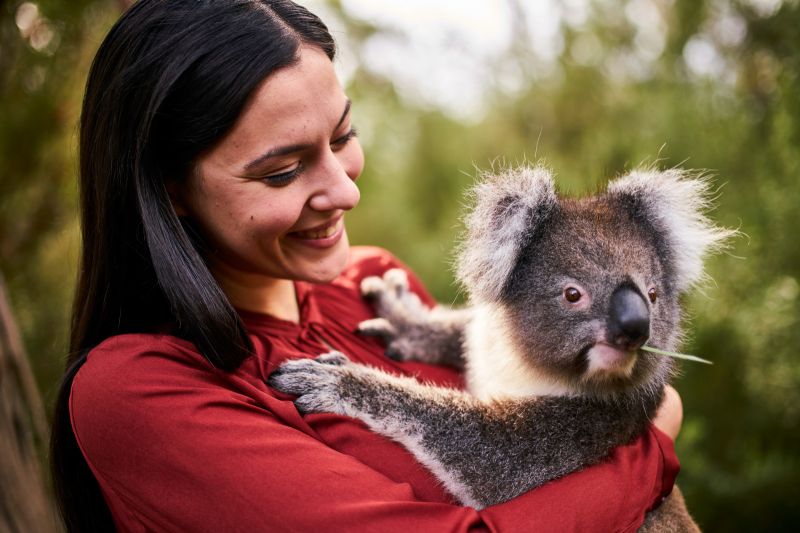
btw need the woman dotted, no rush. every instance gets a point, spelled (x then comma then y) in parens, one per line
(217, 162)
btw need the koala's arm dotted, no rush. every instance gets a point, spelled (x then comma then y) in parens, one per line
(484, 453)
(411, 330)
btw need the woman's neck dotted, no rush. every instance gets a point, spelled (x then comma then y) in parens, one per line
(271, 296)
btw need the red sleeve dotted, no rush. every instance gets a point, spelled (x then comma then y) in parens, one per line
(179, 446)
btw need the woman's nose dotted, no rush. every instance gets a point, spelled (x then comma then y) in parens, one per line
(337, 189)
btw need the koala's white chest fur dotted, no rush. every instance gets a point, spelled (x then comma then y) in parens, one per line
(495, 367)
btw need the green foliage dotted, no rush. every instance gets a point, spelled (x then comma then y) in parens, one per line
(588, 122)
(45, 49)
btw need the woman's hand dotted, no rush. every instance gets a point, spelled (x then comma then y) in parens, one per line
(670, 414)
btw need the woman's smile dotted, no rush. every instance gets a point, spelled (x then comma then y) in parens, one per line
(322, 236)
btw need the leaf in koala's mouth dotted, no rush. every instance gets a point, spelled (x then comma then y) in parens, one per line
(676, 355)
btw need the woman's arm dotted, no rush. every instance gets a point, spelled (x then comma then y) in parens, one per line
(483, 452)
(178, 446)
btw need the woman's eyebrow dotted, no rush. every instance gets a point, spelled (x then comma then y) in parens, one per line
(344, 114)
(283, 150)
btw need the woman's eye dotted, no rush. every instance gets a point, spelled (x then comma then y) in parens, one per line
(282, 178)
(344, 139)
(572, 295)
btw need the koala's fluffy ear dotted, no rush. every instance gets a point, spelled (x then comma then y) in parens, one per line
(508, 206)
(675, 201)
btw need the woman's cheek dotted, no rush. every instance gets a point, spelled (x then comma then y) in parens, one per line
(265, 226)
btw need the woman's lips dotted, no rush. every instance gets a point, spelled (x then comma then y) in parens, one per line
(322, 236)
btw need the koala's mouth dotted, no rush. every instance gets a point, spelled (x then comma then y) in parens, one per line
(607, 361)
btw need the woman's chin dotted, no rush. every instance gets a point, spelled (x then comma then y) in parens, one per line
(328, 267)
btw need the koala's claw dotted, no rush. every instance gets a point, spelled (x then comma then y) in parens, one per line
(397, 281)
(397, 354)
(377, 327)
(372, 286)
(333, 358)
(394, 280)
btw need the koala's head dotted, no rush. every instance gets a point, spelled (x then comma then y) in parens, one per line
(582, 284)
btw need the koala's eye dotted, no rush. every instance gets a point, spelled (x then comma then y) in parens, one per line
(652, 294)
(572, 294)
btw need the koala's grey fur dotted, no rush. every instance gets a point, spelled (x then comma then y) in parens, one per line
(547, 393)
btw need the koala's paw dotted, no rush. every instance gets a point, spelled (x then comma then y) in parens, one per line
(317, 383)
(391, 294)
(400, 342)
(402, 315)
(394, 280)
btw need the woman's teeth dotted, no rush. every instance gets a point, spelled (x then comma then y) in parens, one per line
(319, 234)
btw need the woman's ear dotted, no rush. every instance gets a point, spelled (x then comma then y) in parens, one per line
(175, 191)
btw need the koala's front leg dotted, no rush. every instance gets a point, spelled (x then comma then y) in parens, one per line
(412, 331)
(484, 453)
(427, 420)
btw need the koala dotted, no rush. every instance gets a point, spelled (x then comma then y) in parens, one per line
(563, 294)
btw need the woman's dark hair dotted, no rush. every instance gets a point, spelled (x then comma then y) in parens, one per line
(168, 82)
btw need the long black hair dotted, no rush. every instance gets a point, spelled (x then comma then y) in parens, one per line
(168, 82)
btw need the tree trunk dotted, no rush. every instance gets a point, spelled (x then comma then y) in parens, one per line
(25, 501)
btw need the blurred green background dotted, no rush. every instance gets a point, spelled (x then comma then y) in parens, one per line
(593, 88)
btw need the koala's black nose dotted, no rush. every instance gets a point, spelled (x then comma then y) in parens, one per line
(629, 319)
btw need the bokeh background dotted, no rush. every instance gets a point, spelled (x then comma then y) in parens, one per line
(441, 88)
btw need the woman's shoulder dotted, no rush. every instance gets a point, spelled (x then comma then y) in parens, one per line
(142, 382)
(123, 353)
(125, 366)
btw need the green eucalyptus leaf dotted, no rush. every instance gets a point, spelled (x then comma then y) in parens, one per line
(677, 355)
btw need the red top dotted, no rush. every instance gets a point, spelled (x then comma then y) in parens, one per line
(178, 445)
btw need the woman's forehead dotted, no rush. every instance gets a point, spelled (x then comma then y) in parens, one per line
(307, 87)
(299, 104)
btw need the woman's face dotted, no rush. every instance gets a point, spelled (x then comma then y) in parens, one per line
(270, 197)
